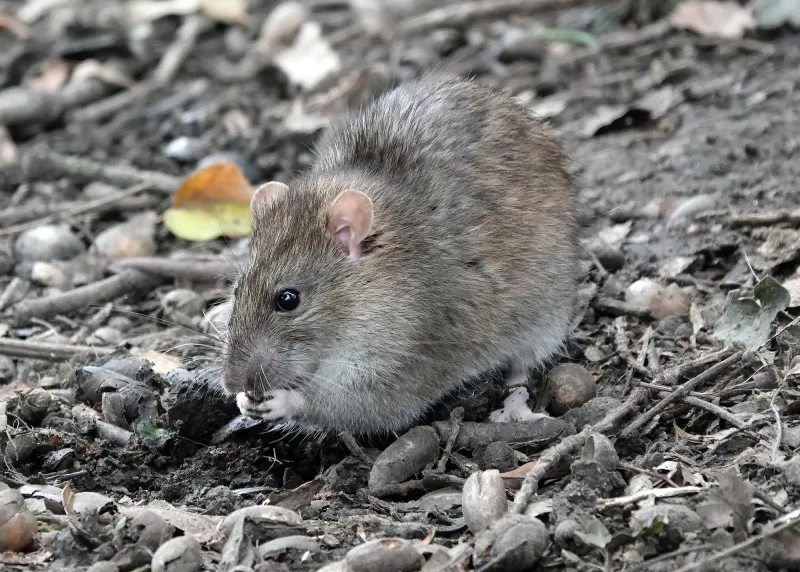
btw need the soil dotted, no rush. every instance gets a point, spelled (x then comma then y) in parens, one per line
(686, 155)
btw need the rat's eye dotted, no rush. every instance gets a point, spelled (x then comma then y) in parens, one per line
(287, 300)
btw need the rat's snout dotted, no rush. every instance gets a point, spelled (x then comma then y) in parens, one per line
(250, 372)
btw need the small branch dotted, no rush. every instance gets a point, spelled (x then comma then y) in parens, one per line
(43, 212)
(788, 521)
(680, 393)
(45, 165)
(569, 445)
(194, 270)
(80, 208)
(464, 13)
(764, 218)
(171, 62)
(85, 296)
(47, 351)
(650, 493)
(615, 307)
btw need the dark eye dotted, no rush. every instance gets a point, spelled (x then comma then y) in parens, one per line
(287, 300)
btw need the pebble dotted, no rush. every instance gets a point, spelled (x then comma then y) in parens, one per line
(105, 336)
(395, 554)
(484, 500)
(8, 371)
(498, 455)
(50, 275)
(661, 301)
(513, 543)
(17, 523)
(676, 517)
(404, 458)
(46, 243)
(182, 554)
(184, 149)
(283, 23)
(32, 406)
(130, 239)
(148, 529)
(120, 323)
(572, 386)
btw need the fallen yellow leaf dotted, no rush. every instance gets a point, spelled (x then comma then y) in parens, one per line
(212, 221)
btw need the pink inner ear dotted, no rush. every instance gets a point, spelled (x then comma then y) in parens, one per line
(350, 221)
(351, 246)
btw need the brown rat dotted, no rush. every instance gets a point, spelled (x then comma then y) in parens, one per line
(435, 239)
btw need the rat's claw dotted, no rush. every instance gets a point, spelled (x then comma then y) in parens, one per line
(275, 406)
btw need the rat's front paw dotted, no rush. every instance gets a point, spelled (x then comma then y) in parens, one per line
(278, 405)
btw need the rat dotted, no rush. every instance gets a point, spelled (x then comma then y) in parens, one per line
(433, 240)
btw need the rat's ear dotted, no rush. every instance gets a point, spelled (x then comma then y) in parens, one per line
(350, 220)
(267, 195)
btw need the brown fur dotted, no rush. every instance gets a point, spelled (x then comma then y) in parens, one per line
(470, 264)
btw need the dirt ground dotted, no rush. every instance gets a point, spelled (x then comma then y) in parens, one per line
(679, 446)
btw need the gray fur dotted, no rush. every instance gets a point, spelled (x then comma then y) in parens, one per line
(471, 264)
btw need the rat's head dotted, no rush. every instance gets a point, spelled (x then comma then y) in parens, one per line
(309, 312)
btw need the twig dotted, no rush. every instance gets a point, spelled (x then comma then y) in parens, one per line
(93, 322)
(650, 493)
(568, 445)
(790, 520)
(674, 554)
(184, 43)
(47, 351)
(765, 218)
(10, 292)
(456, 417)
(45, 165)
(720, 412)
(465, 12)
(186, 269)
(613, 307)
(32, 211)
(78, 209)
(679, 393)
(168, 67)
(354, 448)
(83, 297)
(778, 427)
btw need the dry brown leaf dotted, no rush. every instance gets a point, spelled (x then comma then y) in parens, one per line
(513, 478)
(713, 18)
(218, 182)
